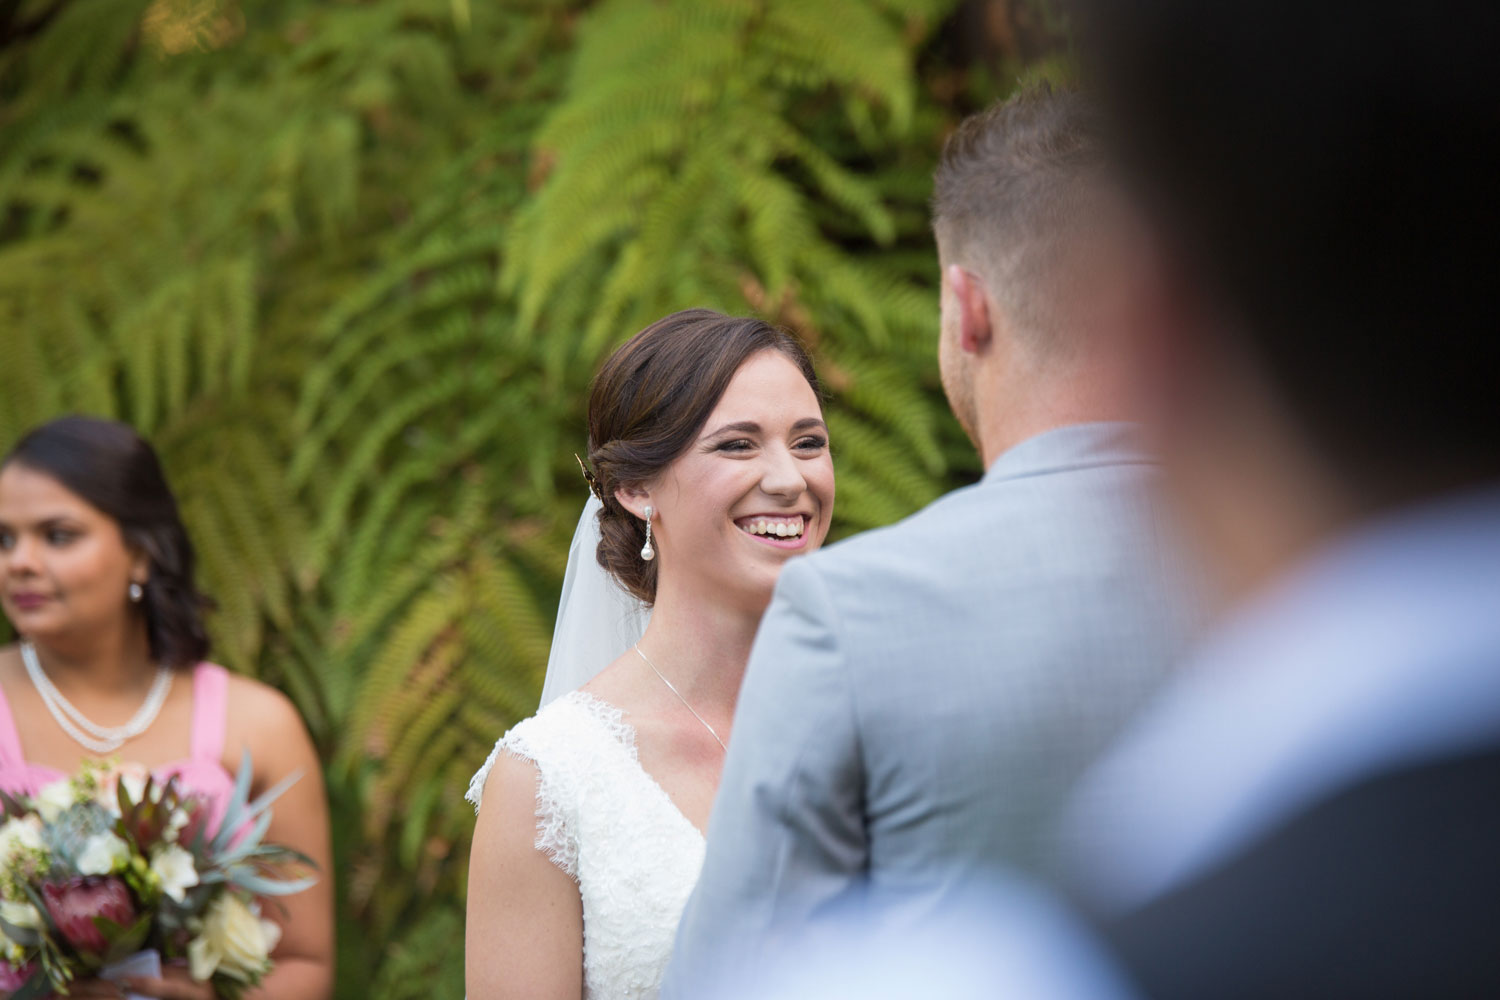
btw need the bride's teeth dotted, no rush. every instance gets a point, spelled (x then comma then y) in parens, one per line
(780, 529)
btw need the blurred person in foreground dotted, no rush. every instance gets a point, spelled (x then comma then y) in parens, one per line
(97, 576)
(1313, 807)
(921, 698)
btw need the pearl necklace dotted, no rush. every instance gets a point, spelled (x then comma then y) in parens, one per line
(98, 739)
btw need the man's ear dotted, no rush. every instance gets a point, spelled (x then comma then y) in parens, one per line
(633, 499)
(974, 329)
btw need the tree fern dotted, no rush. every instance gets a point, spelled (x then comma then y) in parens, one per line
(352, 265)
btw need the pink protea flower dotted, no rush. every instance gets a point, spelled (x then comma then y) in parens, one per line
(74, 903)
(12, 978)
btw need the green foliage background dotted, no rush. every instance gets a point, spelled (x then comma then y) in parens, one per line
(351, 266)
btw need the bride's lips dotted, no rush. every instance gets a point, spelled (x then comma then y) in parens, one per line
(780, 531)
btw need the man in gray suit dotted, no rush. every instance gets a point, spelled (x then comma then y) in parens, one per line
(921, 698)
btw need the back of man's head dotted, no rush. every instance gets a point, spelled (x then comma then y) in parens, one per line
(1014, 197)
(1321, 167)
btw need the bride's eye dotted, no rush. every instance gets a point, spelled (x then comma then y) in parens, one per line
(738, 444)
(812, 443)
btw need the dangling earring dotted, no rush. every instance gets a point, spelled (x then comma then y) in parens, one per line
(136, 592)
(648, 553)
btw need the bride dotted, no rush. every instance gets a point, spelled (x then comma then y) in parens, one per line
(711, 470)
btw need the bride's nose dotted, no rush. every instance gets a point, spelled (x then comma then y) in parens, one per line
(782, 476)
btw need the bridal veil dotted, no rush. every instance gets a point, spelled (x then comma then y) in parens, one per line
(596, 619)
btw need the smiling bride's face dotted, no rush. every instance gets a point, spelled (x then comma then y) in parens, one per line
(754, 489)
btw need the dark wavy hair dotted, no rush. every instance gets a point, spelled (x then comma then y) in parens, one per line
(648, 404)
(115, 470)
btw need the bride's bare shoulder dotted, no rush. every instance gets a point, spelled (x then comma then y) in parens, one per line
(619, 684)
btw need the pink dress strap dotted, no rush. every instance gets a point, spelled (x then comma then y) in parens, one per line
(10, 740)
(210, 713)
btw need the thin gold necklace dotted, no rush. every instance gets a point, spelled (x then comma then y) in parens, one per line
(681, 698)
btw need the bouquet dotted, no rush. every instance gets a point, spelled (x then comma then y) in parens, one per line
(109, 863)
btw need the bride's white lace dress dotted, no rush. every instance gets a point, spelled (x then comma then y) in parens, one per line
(606, 822)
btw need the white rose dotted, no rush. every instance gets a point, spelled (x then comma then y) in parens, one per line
(56, 798)
(174, 867)
(234, 941)
(102, 854)
(24, 832)
(18, 835)
(22, 915)
(176, 823)
(271, 932)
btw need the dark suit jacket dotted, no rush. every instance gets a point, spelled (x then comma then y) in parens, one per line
(1390, 888)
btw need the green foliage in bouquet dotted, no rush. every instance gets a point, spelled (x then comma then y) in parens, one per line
(351, 266)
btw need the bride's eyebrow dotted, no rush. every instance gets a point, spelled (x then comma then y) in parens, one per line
(742, 427)
(751, 427)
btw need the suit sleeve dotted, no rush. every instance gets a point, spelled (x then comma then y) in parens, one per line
(787, 835)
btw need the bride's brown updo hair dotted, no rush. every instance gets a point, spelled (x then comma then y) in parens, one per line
(648, 404)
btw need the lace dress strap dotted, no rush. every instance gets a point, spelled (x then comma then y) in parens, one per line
(538, 741)
(579, 747)
(607, 824)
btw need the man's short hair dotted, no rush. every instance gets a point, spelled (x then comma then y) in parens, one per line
(1321, 166)
(1013, 187)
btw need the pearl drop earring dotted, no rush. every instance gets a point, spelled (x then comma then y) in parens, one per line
(136, 592)
(647, 552)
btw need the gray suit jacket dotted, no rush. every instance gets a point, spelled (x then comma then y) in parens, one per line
(920, 699)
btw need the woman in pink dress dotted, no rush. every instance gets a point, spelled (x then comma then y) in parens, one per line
(96, 576)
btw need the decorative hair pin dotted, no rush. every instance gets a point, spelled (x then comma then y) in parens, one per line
(590, 478)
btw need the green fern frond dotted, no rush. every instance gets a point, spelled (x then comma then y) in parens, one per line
(352, 268)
